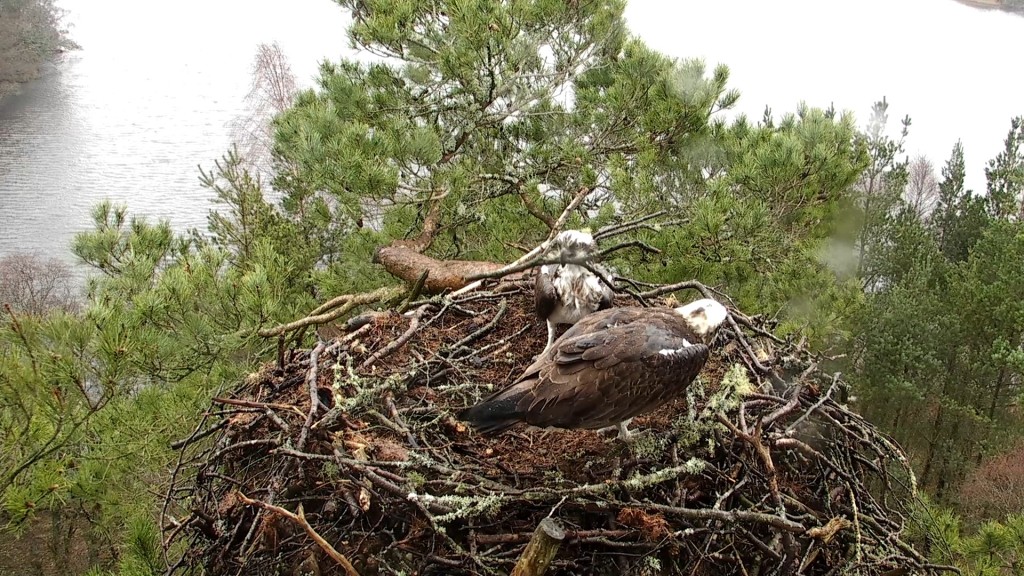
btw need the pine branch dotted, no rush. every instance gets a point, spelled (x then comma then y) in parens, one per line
(536, 212)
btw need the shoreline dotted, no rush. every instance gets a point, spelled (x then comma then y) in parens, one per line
(47, 66)
(10, 88)
(992, 5)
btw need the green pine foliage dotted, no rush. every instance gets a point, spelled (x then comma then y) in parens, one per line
(764, 222)
(504, 110)
(996, 548)
(92, 401)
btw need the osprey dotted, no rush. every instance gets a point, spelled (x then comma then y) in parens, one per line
(565, 293)
(610, 366)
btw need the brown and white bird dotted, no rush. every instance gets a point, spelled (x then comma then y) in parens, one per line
(609, 367)
(566, 292)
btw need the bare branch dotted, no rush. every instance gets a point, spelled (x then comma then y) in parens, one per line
(300, 519)
(922, 191)
(346, 302)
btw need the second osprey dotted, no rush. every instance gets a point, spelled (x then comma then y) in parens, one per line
(564, 293)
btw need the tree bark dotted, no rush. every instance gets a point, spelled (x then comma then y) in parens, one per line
(541, 550)
(996, 394)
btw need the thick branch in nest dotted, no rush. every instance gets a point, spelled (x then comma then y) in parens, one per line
(409, 265)
(404, 259)
(333, 309)
(543, 547)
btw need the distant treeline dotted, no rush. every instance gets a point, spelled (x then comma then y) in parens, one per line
(30, 33)
(1015, 5)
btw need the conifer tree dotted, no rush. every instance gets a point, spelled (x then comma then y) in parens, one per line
(960, 216)
(481, 122)
(937, 353)
(495, 114)
(1005, 175)
(880, 190)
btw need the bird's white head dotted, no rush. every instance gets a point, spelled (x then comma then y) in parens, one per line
(574, 244)
(704, 316)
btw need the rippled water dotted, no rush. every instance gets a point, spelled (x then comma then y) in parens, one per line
(131, 115)
(150, 96)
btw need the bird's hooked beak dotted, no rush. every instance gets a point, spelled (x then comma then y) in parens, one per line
(705, 317)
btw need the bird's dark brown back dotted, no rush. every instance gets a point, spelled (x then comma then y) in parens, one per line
(611, 366)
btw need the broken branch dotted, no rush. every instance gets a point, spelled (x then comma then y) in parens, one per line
(300, 519)
(543, 547)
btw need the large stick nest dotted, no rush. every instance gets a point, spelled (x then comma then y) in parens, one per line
(350, 454)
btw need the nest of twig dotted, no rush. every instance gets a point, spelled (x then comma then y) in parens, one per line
(348, 460)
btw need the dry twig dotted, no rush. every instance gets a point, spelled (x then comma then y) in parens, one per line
(300, 519)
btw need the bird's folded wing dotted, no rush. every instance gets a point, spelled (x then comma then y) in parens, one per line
(597, 379)
(544, 295)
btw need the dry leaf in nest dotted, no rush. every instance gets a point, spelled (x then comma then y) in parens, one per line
(268, 532)
(364, 499)
(388, 450)
(227, 503)
(827, 532)
(653, 526)
(455, 426)
(241, 419)
(356, 443)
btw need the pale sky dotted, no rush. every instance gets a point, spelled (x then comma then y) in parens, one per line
(954, 69)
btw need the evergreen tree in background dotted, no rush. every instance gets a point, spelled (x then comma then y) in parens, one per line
(1005, 175)
(879, 193)
(960, 216)
(938, 345)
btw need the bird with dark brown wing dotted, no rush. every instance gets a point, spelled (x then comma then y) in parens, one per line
(566, 292)
(611, 366)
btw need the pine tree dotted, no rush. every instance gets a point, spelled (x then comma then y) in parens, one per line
(483, 121)
(960, 216)
(880, 191)
(938, 345)
(1005, 175)
(496, 115)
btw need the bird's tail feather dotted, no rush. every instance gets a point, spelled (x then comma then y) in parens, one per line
(496, 413)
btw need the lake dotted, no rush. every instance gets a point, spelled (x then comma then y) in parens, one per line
(151, 94)
(148, 98)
